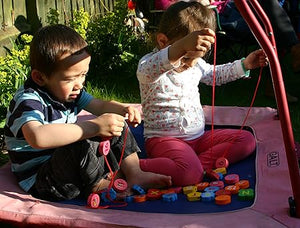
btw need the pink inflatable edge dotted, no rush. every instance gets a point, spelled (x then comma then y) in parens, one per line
(269, 210)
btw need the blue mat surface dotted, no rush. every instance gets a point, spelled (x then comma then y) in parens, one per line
(245, 169)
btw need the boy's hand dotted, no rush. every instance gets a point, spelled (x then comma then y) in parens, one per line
(256, 59)
(133, 114)
(109, 124)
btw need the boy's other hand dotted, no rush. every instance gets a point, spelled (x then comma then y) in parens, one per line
(133, 114)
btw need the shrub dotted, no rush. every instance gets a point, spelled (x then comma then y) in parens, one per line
(114, 47)
(79, 23)
(14, 69)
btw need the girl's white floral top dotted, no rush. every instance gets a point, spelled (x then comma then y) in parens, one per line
(171, 100)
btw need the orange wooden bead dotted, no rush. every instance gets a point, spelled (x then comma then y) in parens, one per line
(139, 198)
(233, 189)
(222, 192)
(243, 184)
(223, 199)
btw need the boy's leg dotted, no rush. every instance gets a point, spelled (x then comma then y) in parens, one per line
(78, 168)
(130, 166)
(70, 170)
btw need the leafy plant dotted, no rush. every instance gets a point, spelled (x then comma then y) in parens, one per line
(114, 47)
(53, 16)
(80, 22)
(14, 69)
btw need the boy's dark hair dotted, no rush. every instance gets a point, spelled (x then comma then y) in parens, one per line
(182, 18)
(50, 43)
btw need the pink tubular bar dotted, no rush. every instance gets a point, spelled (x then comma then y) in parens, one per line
(266, 40)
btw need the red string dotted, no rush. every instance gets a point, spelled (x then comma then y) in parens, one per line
(248, 112)
(213, 103)
(113, 175)
(213, 94)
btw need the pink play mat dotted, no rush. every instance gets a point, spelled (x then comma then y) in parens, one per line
(270, 207)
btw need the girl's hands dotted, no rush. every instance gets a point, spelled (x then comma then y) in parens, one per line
(256, 59)
(192, 46)
(197, 43)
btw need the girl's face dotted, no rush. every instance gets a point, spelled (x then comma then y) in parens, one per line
(67, 81)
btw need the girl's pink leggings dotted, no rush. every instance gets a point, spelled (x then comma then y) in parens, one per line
(185, 161)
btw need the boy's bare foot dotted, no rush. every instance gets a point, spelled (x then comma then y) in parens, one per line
(130, 167)
(149, 180)
(102, 184)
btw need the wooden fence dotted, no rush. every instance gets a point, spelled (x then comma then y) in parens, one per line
(28, 15)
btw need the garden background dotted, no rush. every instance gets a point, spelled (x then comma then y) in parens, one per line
(116, 49)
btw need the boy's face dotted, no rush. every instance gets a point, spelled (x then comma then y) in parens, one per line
(67, 81)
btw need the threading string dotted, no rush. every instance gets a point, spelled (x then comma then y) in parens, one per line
(213, 94)
(248, 112)
(213, 104)
(113, 175)
(121, 157)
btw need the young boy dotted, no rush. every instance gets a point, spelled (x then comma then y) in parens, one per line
(53, 156)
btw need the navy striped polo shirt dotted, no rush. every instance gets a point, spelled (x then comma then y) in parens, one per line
(32, 103)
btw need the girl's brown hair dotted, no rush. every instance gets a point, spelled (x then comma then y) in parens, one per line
(182, 18)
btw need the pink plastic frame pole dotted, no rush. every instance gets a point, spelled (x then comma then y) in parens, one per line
(267, 42)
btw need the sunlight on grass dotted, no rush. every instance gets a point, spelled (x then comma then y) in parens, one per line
(117, 93)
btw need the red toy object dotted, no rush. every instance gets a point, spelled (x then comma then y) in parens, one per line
(212, 175)
(163, 4)
(131, 5)
(222, 192)
(177, 189)
(120, 185)
(219, 184)
(231, 178)
(167, 191)
(154, 194)
(201, 186)
(104, 147)
(222, 163)
(266, 40)
(93, 200)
